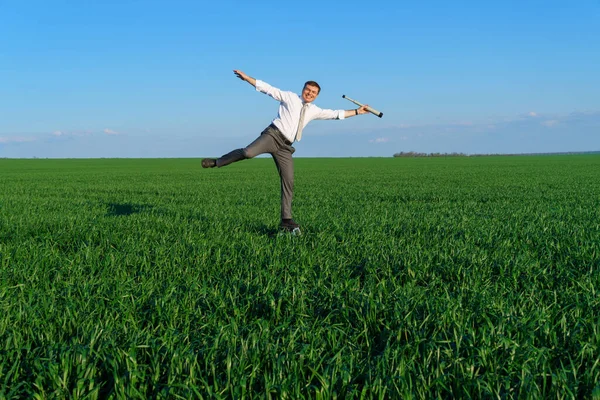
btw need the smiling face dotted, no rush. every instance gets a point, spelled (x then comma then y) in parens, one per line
(310, 92)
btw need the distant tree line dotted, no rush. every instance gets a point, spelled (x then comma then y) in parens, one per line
(417, 154)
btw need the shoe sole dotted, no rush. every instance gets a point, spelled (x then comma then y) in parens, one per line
(294, 232)
(207, 165)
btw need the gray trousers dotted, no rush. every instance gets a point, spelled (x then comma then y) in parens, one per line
(270, 141)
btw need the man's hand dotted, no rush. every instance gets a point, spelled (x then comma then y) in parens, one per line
(357, 111)
(363, 109)
(245, 77)
(240, 74)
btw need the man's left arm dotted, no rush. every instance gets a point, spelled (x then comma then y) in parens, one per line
(357, 111)
(341, 114)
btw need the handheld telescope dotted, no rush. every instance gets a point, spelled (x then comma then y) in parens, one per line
(369, 109)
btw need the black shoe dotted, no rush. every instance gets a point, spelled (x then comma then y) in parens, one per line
(209, 163)
(289, 225)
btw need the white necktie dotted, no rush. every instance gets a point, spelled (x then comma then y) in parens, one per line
(299, 133)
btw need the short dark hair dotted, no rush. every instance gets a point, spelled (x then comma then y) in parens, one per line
(313, 83)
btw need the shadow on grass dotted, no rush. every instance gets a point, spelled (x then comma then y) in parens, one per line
(123, 209)
(265, 230)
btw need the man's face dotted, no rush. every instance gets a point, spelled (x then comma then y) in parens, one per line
(309, 93)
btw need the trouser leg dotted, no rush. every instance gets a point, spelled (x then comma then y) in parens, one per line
(231, 157)
(285, 167)
(263, 144)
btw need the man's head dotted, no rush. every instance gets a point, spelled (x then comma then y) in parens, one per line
(311, 91)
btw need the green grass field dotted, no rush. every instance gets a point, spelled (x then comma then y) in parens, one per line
(424, 278)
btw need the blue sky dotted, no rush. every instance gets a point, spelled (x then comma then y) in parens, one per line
(154, 78)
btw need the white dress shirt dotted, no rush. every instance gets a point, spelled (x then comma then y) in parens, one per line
(290, 105)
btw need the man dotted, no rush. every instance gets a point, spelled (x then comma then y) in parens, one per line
(295, 112)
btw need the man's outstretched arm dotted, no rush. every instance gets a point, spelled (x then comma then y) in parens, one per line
(358, 111)
(341, 114)
(264, 87)
(245, 77)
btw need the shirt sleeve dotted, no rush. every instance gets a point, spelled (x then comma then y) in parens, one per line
(269, 90)
(330, 114)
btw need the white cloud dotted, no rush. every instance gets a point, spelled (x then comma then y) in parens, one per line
(16, 139)
(110, 132)
(550, 123)
(532, 114)
(379, 140)
(65, 134)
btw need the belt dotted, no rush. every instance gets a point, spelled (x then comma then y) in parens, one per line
(281, 135)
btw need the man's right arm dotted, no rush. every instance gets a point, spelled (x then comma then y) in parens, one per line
(264, 87)
(245, 77)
